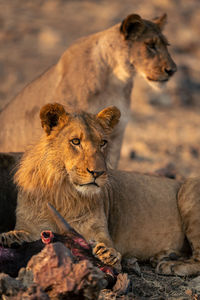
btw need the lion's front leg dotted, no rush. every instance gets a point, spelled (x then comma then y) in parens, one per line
(95, 230)
(14, 237)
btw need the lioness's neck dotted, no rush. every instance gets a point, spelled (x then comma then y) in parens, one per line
(107, 67)
(114, 71)
(110, 48)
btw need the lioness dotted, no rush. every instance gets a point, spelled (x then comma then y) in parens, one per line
(137, 215)
(96, 71)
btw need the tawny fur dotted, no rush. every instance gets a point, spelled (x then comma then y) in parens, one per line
(96, 71)
(138, 215)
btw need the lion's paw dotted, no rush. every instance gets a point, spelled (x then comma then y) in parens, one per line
(108, 256)
(14, 238)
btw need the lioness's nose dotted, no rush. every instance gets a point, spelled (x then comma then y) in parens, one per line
(95, 174)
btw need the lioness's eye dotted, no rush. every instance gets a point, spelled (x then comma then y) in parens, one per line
(103, 143)
(76, 141)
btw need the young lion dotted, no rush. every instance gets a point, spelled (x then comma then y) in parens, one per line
(138, 215)
(96, 71)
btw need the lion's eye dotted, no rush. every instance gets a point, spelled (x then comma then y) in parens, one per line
(152, 46)
(103, 143)
(75, 141)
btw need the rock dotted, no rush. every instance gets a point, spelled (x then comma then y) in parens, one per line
(132, 154)
(48, 39)
(160, 99)
(131, 265)
(168, 171)
(194, 284)
(194, 151)
(26, 277)
(34, 292)
(9, 286)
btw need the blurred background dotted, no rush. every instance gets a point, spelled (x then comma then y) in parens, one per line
(164, 129)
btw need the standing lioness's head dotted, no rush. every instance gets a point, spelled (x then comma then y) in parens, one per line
(76, 145)
(147, 48)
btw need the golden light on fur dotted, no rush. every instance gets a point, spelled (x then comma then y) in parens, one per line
(95, 72)
(143, 216)
(46, 167)
(61, 171)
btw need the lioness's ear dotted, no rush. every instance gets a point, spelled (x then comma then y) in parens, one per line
(161, 21)
(132, 26)
(109, 117)
(51, 115)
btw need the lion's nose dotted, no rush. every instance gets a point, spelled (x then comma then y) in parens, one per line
(95, 173)
(171, 71)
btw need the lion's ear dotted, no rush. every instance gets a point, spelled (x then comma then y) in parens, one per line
(51, 115)
(161, 21)
(109, 117)
(132, 26)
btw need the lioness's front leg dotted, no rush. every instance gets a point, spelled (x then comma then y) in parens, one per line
(14, 237)
(189, 207)
(164, 256)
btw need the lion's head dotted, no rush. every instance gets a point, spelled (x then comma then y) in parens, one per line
(147, 46)
(74, 148)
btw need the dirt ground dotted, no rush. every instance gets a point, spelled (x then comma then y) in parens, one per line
(163, 131)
